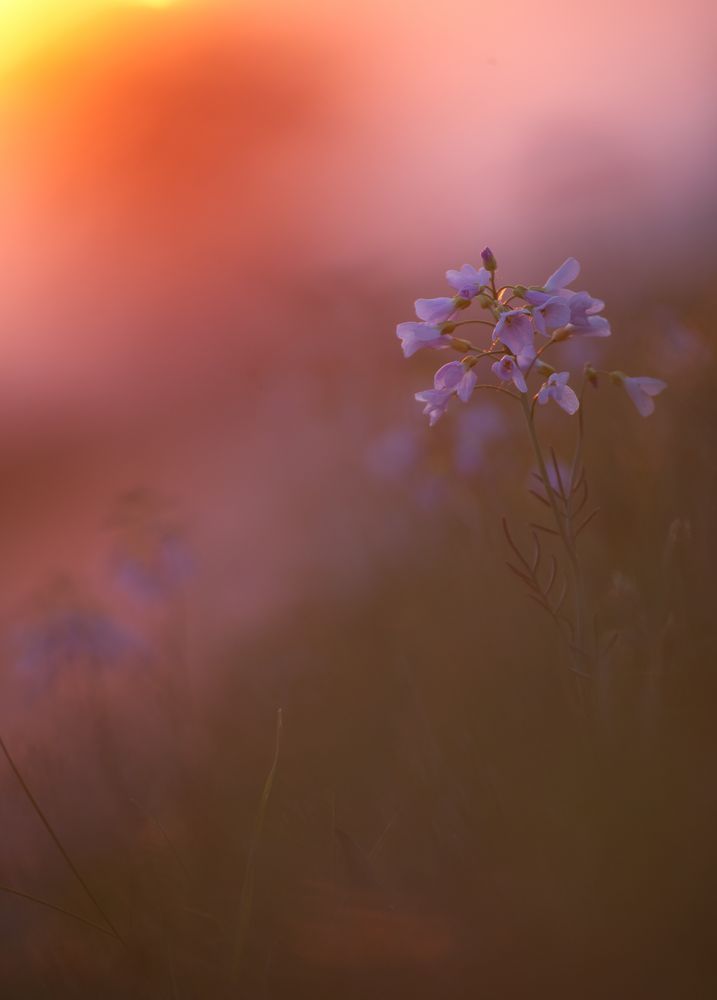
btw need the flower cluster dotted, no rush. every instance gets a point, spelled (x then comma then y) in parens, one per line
(524, 322)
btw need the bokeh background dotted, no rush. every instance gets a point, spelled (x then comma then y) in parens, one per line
(220, 499)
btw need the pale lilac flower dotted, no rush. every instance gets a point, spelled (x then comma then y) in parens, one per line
(414, 336)
(583, 318)
(641, 389)
(436, 311)
(552, 314)
(556, 388)
(453, 378)
(468, 281)
(514, 329)
(458, 378)
(557, 283)
(436, 401)
(564, 276)
(508, 370)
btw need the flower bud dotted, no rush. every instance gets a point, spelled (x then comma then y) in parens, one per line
(484, 301)
(562, 334)
(591, 375)
(489, 261)
(460, 345)
(543, 368)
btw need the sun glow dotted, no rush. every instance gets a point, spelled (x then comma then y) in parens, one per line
(26, 25)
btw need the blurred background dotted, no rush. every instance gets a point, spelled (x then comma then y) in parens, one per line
(220, 499)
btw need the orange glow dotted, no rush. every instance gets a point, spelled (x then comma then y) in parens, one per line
(26, 25)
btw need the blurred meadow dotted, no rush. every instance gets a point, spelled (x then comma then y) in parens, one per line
(263, 668)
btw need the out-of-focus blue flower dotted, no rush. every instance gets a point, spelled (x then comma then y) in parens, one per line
(151, 559)
(395, 452)
(476, 428)
(67, 629)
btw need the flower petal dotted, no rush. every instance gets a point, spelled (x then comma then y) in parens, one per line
(564, 276)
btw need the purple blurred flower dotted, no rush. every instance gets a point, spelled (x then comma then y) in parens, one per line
(468, 281)
(508, 370)
(415, 336)
(151, 558)
(476, 427)
(67, 630)
(641, 389)
(395, 452)
(557, 389)
(436, 311)
(154, 571)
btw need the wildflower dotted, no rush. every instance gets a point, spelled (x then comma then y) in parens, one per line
(457, 377)
(414, 336)
(557, 283)
(436, 401)
(453, 378)
(583, 319)
(514, 329)
(551, 315)
(434, 311)
(640, 389)
(556, 388)
(468, 281)
(508, 370)
(488, 258)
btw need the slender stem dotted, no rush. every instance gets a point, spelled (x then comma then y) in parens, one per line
(563, 530)
(467, 322)
(58, 909)
(58, 843)
(247, 892)
(497, 388)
